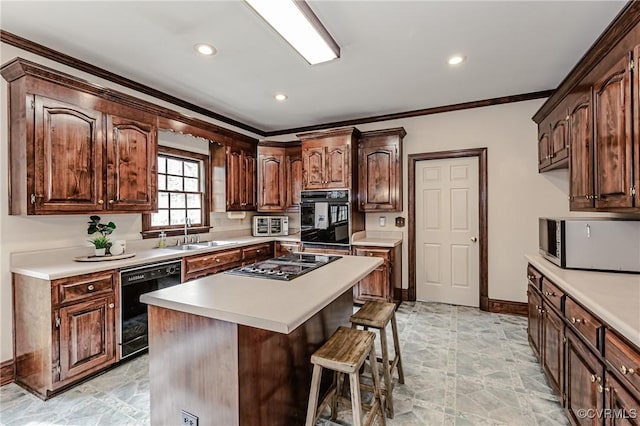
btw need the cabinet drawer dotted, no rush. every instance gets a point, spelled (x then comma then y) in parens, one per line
(533, 276)
(84, 286)
(284, 248)
(623, 357)
(198, 266)
(383, 253)
(259, 251)
(552, 294)
(586, 324)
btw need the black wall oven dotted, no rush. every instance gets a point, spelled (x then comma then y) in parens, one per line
(325, 218)
(134, 282)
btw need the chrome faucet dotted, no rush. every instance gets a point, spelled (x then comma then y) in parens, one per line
(187, 223)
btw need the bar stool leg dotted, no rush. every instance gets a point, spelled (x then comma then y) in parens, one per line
(356, 401)
(396, 347)
(312, 406)
(337, 380)
(386, 371)
(377, 392)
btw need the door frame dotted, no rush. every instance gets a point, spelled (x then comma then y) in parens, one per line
(481, 153)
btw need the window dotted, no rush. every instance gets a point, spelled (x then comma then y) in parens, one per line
(182, 182)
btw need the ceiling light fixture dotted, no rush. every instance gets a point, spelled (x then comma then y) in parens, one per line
(300, 27)
(205, 49)
(456, 60)
(281, 97)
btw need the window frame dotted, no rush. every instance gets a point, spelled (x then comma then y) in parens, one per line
(173, 230)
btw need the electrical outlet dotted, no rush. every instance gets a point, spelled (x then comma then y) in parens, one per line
(188, 419)
(382, 220)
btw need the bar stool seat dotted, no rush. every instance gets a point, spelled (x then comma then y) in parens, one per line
(374, 314)
(344, 353)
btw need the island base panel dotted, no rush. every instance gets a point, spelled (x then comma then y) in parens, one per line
(229, 374)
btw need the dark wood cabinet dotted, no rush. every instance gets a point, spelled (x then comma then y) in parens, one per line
(584, 375)
(279, 177)
(534, 330)
(622, 405)
(380, 170)
(65, 329)
(381, 283)
(201, 265)
(131, 165)
(285, 247)
(257, 253)
(553, 141)
(613, 167)
(580, 152)
(553, 348)
(544, 145)
(328, 159)
(241, 165)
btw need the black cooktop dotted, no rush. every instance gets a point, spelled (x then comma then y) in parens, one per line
(284, 268)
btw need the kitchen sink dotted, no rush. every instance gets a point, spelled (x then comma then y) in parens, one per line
(187, 247)
(214, 243)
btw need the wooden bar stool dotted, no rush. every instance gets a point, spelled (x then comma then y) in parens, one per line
(377, 315)
(344, 353)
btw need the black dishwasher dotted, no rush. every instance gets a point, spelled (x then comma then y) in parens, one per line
(133, 314)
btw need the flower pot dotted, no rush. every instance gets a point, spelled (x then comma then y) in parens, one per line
(99, 251)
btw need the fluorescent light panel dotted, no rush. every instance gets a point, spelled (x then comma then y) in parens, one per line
(300, 27)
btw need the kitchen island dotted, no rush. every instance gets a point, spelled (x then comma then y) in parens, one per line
(236, 350)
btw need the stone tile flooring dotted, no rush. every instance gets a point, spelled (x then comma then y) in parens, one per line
(462, 367)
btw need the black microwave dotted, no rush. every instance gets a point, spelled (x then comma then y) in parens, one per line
(601, 244)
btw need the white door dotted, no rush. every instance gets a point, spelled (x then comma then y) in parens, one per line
(447, 227)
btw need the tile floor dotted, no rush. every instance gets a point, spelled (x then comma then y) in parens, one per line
(462, 367)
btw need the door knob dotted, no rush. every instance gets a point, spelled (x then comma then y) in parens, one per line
(474, 239)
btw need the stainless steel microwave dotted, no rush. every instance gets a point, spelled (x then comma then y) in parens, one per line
(594, 244)
(264, 226)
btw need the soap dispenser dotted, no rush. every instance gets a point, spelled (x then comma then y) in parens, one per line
(162, 242)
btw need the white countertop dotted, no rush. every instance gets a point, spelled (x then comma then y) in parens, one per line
(59, 263)
(279, 306)
(613, 297)
(377, 238)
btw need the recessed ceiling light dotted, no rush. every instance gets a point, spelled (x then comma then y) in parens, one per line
(456, 60)
(205, 49)
(280, 97)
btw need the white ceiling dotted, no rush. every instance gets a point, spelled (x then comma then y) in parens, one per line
(393, 53)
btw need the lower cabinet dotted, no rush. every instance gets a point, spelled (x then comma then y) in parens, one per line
(201, 265)
(592, 369)
(382, 282)
(285, 247)
(65, 329)
(256, 253)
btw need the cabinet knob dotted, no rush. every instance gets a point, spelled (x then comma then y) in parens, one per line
(474, 239)
(550, 293)
(217, 260)
(100, 202)
(531, 277)
(258, 251)
(593, 378)
(111, 305)
(370, 254)
(626, 370)
(111, 201)
(578, 321)
(602, 389)
(90, 287)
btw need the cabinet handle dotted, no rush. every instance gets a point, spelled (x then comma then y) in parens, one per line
(531, 277)
(100, 202)
(602, 389)
(111, 201)
(578, 321)
(90, 287)
(258, 251)
(370, 254)
(593, 378)
(111, 305)
(550, 293)
(217, 260)
(626, 370)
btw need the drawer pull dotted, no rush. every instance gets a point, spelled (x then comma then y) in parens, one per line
(550, 293)
(626, 370)
(593, 378)
(370, 254)
(90, 287)
(258, 251)
(111, 305)
(602, 389)
(578, 321)
(217, 260)
(531, 277)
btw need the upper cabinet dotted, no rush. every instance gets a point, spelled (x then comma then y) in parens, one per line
(380, 170)
(279, 177)
(593, 118)
(241, 160)
(328, 159)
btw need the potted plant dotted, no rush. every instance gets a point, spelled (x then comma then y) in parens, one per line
(101, 242)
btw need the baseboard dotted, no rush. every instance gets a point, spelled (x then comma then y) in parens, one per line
(401, 294)
(507, 307)
(6, 372)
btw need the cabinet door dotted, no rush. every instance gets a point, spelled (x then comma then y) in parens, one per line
(378, 178)
(87, 336)
(533, 328)
(583, 376)
(131, 165)
(553, 348)
(636, 127)
(233, 172)
(68, 152)
(293, 181)
(612, 137)
(314, 167)
(271, 181)
(559, 136)
(581, 154)
(338, 172)
(622, 407)
(376, 285)
(248, 179)
(544, 158)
